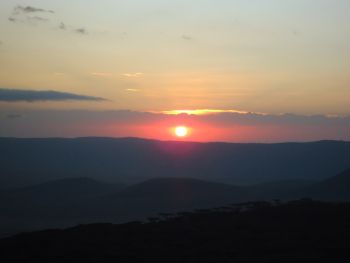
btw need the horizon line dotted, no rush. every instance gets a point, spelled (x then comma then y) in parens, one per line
(160, 140)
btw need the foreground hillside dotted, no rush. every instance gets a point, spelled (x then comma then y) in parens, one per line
(32, 161)
(299, 231)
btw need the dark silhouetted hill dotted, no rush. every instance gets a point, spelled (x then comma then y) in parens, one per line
(178, 188)
(336, 188)
(61, 191)
(129, 160)
(66, 202)
(299, 231)
(55, 203)
(168, 195)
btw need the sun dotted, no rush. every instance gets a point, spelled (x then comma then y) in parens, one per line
(181, 131)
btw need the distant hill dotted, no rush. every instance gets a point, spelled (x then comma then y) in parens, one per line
(70, 201)
(49, 204)
(336, 188)
(67, 202)
(170, 195)
(284, 190)
(52, 198)
(130, 160)
(299, 231)
(177, 188)
(62, 190)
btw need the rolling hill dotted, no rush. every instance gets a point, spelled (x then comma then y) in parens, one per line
(336, 188)
(67, 202)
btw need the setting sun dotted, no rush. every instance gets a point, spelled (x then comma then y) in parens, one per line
(181, 131)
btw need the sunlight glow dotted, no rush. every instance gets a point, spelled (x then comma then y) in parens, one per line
(181, 131)
(201, 112)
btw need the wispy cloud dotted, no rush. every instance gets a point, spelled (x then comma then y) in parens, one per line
(29, 20)
(65, 27)
(132, 90)
(186, 37)
(22, 14)
(62, 26)
(38, 19)
(33, 16)
(59, 74)
(30, 9)
(133, 75)
(101, 74)
(13, 20)
(81, 31)
(17, 95)
(203, 112)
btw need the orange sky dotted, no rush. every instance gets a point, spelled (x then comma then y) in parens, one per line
(160, 56)
(224, 126)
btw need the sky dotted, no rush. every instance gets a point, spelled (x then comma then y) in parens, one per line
(111, 60)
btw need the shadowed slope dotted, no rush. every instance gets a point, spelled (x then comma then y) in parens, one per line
(301, 231)
(334, 188)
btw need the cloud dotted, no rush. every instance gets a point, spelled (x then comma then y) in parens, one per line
(65, 27)
(17, 95)
(101, 74)
(29, 20)
(59, 74)
(186, 37)
(26, 15)
(133, 75)
(201, 112)
(133, 90)
(37, 19)
(81, 31)
(30, 9)
(62, 26)
(12, 19)
(21, 14)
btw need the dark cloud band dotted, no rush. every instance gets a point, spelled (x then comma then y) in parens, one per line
(17, 95)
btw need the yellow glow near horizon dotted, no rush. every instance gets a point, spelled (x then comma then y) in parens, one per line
(206, 112)
(200, 112)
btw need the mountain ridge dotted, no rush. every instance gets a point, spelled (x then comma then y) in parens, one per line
(130, 160)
